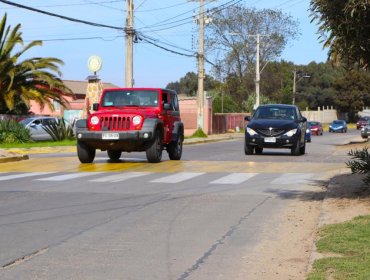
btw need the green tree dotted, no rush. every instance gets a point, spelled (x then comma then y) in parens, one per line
(344, 28)
(28, 79)
(352, 92)
(189, 84)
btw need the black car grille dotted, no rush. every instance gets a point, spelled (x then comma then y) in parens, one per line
(115, 123)
(270, 132)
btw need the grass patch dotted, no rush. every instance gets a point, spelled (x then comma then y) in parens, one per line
(39, 144)
(199, 133)
(351, 240)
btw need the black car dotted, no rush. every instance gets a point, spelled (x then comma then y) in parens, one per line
(276, 126)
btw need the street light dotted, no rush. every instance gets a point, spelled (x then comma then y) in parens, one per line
(295, 82)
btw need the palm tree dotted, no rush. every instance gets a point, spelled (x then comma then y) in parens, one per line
(29, 79)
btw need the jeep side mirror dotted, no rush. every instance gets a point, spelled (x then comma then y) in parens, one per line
(95, 106)
(167, 106)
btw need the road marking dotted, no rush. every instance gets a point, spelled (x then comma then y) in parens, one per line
(234, 178)
(177, 178)
(66, 177)
(23, 175)
(121, 177)
(292, 178)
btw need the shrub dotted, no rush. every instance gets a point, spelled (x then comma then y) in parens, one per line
(199, 133)
(13, 132)
(360, 163)
(60, 131)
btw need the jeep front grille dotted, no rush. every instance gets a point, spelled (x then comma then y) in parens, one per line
(270, 132)
(115, 123)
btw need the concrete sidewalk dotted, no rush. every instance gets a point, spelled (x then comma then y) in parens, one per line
(16, 154)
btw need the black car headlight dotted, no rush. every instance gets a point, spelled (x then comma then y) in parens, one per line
(250, 131)
(290, 133)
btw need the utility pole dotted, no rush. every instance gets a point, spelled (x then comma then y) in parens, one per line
(258, 72)
(200, 119)
(294, 83)
(129, 30)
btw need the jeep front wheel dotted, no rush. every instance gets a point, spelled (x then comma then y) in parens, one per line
(85, 153)
(114, 155)
(154, 151)
(175, 149)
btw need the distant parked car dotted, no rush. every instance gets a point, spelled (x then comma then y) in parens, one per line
(36, 127)
(316, 128)
(365, 131)
(363, 121)
(338, 126)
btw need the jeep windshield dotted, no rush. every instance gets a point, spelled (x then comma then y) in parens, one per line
(130, 98)
(278, 113)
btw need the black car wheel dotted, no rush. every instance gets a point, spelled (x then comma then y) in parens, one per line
(114, 155)
(258, 150)
(295, 150)
(248, 149)
(85, 153)
(302, 150)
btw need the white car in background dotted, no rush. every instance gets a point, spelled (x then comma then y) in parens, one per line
(36, 127)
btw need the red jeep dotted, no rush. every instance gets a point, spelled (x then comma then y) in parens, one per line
(132, 120)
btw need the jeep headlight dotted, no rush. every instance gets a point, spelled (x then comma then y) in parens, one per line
(136, 120)
(94, 120)
(290, 133)
(251, 131)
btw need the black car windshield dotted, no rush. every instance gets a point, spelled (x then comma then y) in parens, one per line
(120, 98)
(279, 113)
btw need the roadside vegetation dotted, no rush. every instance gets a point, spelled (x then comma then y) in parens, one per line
(348, 243)
(38, 144)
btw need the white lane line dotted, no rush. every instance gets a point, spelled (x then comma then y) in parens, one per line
(70, 176)
(23, 175)
(234, 178)
(293, 178)
(121, 177)
(177, 178)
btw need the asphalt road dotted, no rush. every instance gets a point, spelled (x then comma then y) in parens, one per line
(191, 219)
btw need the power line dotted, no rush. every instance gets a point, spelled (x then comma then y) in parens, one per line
(62, 17)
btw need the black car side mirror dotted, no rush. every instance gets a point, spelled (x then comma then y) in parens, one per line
(247, 118)
(303, 119)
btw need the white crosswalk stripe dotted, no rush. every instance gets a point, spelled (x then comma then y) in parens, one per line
(70, 176)
(177, 178)
(293, 178)
(120, 177)
(23, 175)
(174, 178)
(234, 178)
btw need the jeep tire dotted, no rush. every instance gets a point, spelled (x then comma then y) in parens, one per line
(154, 150)
(85, 153)
(114, 155)
(174, 149)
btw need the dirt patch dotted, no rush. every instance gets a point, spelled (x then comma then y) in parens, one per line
(289, 251)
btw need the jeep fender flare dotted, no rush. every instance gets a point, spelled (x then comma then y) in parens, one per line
(81, 125)
(152, 125)
(178, 130)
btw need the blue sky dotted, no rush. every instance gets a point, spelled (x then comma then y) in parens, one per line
(74, 42)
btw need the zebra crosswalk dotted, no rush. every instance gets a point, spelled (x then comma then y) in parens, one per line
(161, 178)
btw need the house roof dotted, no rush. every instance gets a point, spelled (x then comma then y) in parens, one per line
(79, 87)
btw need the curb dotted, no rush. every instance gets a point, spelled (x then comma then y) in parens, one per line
(13, 158)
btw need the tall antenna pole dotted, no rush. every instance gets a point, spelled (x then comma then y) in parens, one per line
(129, 80)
